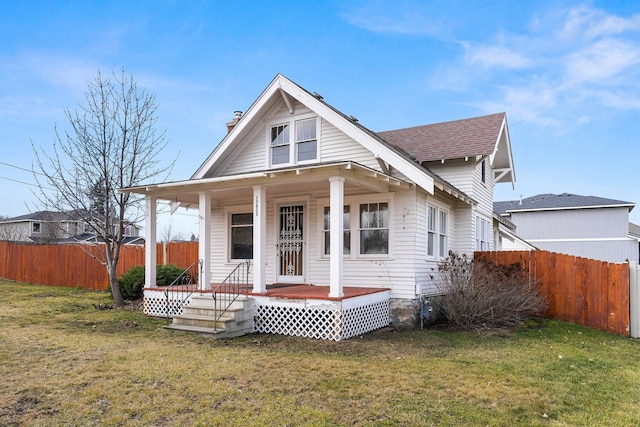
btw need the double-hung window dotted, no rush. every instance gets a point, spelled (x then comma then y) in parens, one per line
(241, 236)
(374, 228)
(306, 141)
(280, 144)
(483, 234)
(346, 219)
(303, 139)
(437, 232)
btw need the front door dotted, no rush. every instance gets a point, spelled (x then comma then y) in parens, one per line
(291, 244)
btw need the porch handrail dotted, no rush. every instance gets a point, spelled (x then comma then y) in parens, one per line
(230, 289)
(181, 284)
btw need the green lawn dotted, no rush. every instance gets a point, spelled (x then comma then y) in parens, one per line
(65, 360)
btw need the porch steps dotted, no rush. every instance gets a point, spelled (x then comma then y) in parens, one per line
(199, 317)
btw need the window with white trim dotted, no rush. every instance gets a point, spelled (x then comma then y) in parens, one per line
(374, 228)
(241, 236)
(303, 139)
(437, 232)
(35, 227)
(279, 144)
(346, 219)
(483, 234)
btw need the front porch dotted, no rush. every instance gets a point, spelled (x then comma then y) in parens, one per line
(297, 310)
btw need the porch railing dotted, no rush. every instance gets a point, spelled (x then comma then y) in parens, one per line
(230, 289)
(181, 289)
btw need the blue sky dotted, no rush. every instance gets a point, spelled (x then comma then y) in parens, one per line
(567, 73)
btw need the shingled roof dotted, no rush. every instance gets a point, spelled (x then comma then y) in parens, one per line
(557, 202)
(456, 139)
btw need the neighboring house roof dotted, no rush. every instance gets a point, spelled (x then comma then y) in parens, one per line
(43, 216)
(449, 140)
(557, 202)
(634, 230)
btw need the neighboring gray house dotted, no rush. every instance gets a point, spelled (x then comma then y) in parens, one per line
(586, 226)
(53, 227)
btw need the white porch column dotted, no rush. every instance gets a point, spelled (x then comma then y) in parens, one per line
(336, 207)
(259, 239)
(150, 245)
(204, 240)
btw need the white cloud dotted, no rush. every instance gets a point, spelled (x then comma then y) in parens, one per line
(393, 17)
(495, 56)
(602, 60)
(561, 70)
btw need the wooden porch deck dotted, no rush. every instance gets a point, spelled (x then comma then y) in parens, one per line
(302, 291)
(291, 291)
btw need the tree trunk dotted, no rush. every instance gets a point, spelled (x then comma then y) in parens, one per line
(115, 287)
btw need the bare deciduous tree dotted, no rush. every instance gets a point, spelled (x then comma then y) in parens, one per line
(112, 143)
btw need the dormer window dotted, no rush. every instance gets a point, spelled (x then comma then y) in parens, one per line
(304, 141)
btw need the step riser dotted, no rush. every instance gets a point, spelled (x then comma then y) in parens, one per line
(238, 315)
(227, 325)
(211, 304)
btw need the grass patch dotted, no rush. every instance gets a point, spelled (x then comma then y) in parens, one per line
(68, 361)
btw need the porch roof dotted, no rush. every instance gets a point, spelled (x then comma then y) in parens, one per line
(358, 179)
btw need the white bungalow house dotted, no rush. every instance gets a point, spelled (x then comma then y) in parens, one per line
(343, 225)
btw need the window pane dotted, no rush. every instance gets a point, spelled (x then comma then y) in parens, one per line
(280, 135)
(280, 154)
(443, 222)
(307, 150)
(306, 130)
(364, 216)
(431, 218)
(242, 219)
(374, 241)
(346, 219)
(431, 241)
(383, 217)
(442, 246)
(242, 243)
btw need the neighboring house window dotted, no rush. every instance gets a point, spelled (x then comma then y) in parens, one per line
(483, 170)
(346, 219)
(374, 228)
(483, 234)
(241, 236)
(437, 231)
(35, 227)
(303, 139)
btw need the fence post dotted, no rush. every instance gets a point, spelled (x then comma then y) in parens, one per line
(634, 301)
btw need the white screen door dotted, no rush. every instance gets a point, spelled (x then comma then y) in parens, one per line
(291, 244)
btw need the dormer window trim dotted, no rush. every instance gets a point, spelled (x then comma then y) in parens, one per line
(292, 141)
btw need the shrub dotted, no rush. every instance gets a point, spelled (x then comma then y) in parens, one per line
(132, 282)
(485, 295)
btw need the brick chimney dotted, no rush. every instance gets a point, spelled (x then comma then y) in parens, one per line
(236, 119)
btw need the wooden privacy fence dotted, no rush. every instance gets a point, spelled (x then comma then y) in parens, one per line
(584, 291)
(71, 265)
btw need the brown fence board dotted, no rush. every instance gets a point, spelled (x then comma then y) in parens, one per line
(72, 265)
(588, 292)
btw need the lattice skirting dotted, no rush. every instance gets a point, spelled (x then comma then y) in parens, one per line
(155, 303)
(321, 322)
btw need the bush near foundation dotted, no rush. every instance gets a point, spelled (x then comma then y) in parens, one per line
(132, 282)
(485, 295)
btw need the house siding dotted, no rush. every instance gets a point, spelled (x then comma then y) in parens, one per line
(599, 233)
